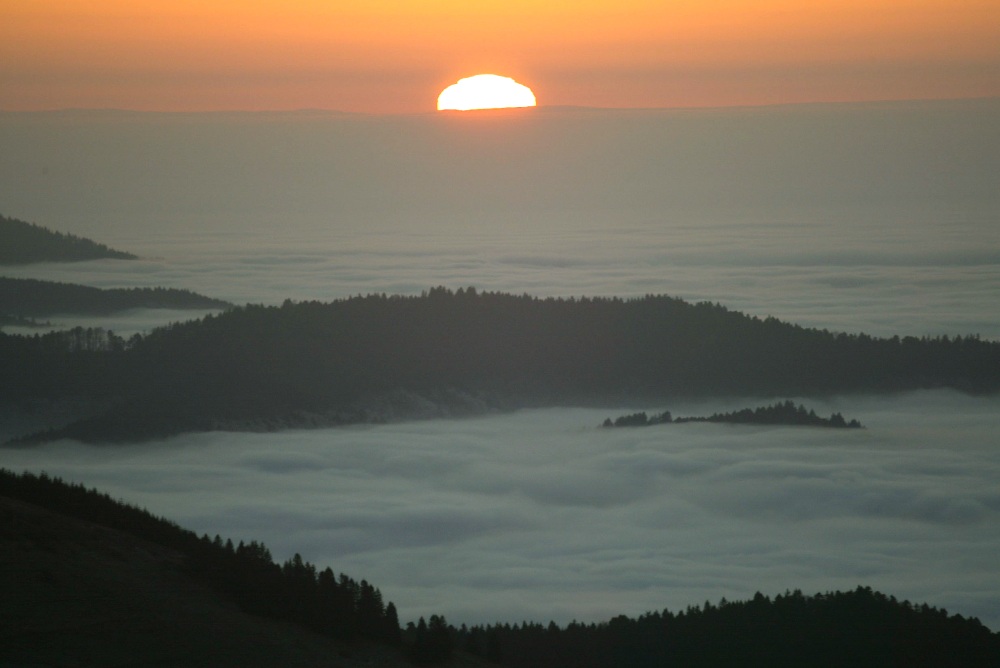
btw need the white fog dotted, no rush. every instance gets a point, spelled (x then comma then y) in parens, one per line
(542, 515)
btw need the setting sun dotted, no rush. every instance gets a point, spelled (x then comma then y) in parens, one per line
(485, 91)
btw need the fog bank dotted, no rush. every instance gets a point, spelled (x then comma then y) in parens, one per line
(880, 218)
(541, 515)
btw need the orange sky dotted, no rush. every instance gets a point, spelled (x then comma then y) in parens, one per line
(395, 56)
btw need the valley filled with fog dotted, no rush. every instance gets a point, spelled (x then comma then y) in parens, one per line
(882, 219)
(542, 515)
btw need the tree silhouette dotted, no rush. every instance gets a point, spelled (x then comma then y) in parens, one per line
(244, 574)
(379, 358)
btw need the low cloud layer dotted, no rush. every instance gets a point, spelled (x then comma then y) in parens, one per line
(876, 218)
(541, 515)
(892, 293)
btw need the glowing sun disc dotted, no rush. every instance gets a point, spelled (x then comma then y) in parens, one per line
(485, 91)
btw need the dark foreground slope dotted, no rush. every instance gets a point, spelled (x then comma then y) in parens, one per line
(378, 357)
(88, 581)
(23, 243)
(77, 594)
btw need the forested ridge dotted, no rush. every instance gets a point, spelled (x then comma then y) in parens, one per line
(26, 298)
(859, 627)
(294, 591)
(24, 243)
(368, 357)
(782, 413)
(854, 628)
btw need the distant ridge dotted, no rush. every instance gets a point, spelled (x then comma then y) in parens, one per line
(25, 243)
(380, 358)
(27, 298)
(782, 413)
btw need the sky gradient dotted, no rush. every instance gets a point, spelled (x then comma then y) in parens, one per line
(396, 57)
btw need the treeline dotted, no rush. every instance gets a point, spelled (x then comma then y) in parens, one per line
(640, 419)
(328, 363)
(18, 321)
(25, 298)
(23, 243)
(295, 591)
(854, 628)
(782, 413)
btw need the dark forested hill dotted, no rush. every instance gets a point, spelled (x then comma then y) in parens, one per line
(854, 628)
(784, 413)
(24, 243)
(89, 581)
(27, 298)
(369, 358)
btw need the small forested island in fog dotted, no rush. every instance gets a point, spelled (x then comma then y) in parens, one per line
(378, 358)
(24, 243)
(98, 577)
(21, 321)
(783, 413)
(24, 298)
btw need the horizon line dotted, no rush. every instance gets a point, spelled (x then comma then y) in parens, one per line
(514, 110)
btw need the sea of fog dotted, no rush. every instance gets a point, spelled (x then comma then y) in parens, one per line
(543, 515)
(882, 218)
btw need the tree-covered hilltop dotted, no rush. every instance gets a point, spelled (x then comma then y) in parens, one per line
(854, 628)
(782, 413)
(27, 298)
(376, 357)
(641, 419)
(23, 243)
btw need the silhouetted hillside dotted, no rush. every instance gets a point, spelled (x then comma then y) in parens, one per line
(785, 413)
(24, 243)
(90, 581)
(93, 581)
(855, 628)
(376, 358)
(26, 298)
